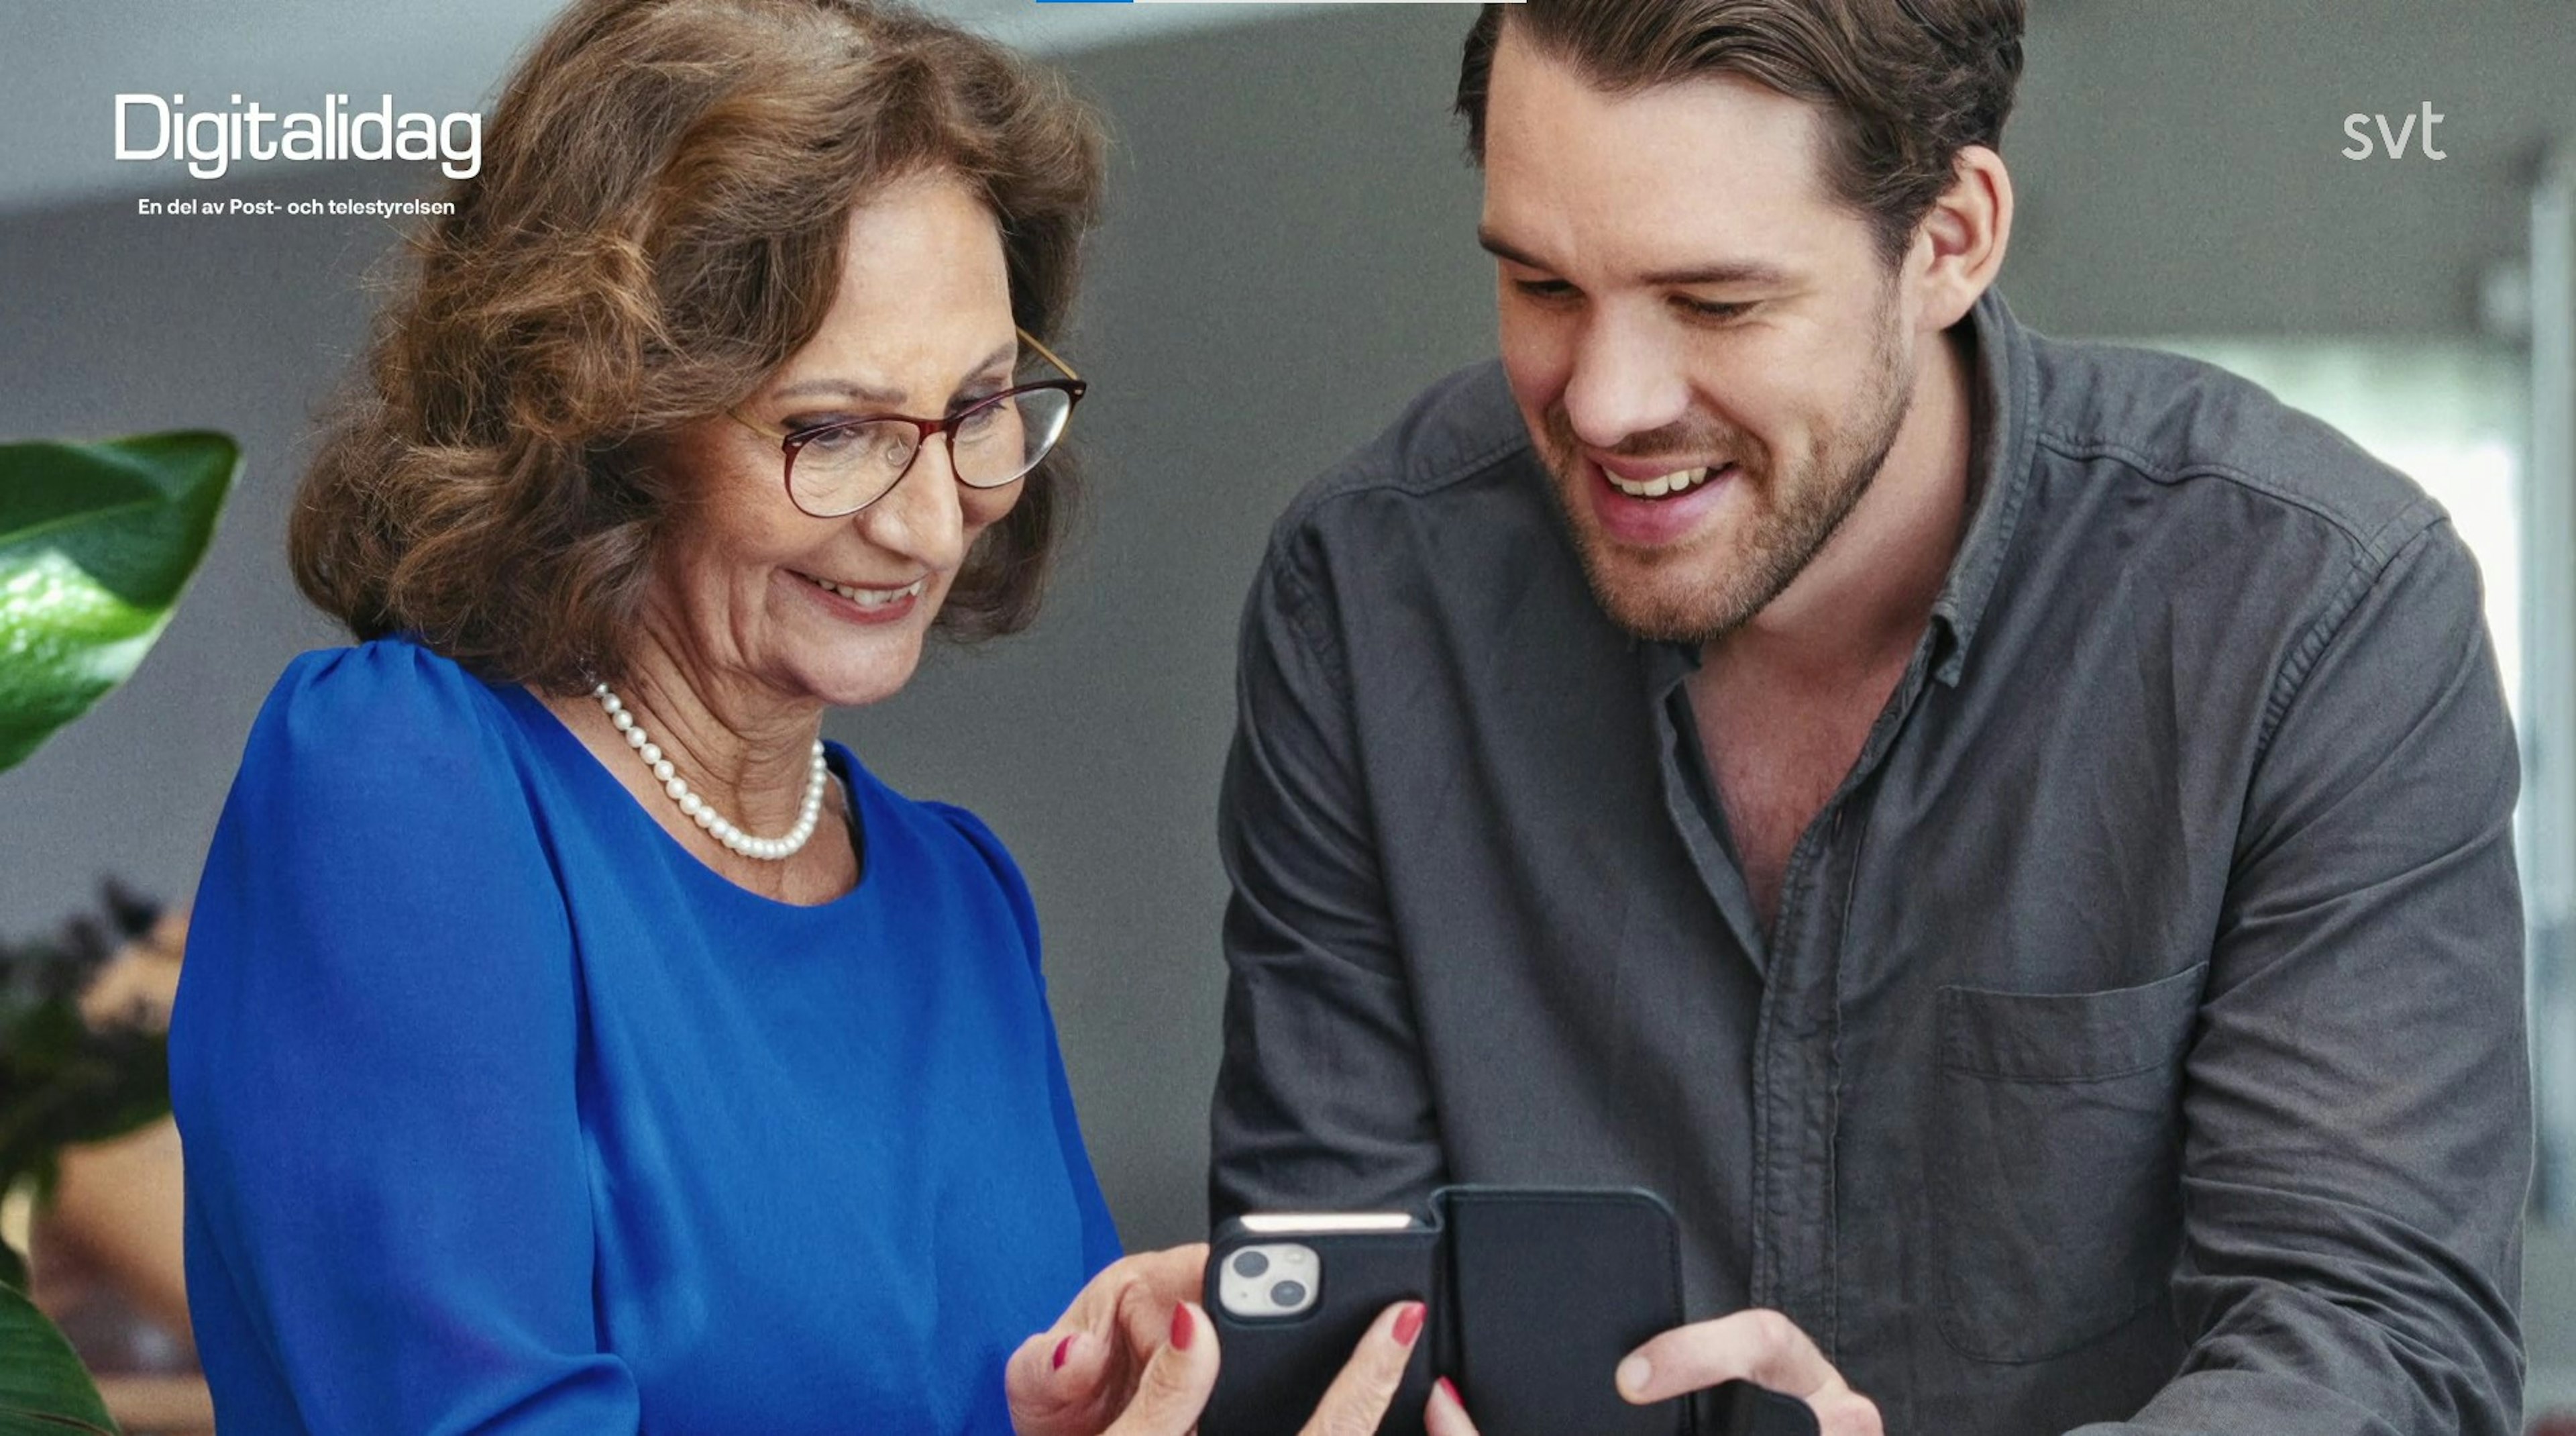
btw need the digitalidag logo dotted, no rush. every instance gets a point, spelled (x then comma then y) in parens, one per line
(211, 141)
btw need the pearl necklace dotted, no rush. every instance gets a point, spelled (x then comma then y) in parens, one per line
(765, 849)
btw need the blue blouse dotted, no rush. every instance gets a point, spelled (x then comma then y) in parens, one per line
(504, 1113)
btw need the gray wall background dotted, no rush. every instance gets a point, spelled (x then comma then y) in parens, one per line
(1289, 257)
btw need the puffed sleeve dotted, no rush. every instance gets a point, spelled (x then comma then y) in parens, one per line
(372, 1059)
(1100, 1244)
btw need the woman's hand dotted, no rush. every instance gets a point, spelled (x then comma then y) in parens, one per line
(1079, 1375)
(1135, 1356)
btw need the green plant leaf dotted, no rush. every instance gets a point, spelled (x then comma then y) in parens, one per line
(96, 540)
(63, 1082)
(43, 1389)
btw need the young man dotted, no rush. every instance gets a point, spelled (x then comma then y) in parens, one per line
(2011, 839)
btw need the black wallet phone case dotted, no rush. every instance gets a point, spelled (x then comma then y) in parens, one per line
(1535, 1294)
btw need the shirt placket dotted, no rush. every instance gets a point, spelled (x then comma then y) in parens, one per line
(1796, 1072)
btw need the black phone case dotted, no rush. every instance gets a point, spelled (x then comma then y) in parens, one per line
(1535, 1295)
(1272, 1373)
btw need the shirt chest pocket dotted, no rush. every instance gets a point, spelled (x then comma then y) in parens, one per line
(2058, 1162)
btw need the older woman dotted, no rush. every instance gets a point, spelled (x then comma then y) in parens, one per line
(571, 1040)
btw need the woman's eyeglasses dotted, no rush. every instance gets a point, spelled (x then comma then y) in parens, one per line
(836, 469)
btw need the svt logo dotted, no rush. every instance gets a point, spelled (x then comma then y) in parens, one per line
(2395, 144)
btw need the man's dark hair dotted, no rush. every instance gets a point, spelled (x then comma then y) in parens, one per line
(1904, 83)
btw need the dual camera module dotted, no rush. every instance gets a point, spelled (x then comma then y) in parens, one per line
(1273, 1279)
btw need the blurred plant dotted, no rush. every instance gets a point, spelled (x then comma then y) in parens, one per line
(63, 1079)
(96, 542)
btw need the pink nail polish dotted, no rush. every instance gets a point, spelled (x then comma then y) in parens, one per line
(1452, 1393)
(1061, 1348)
(1408, 1323)
(1183, 1328)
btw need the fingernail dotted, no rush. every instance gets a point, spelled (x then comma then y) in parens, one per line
(1634, 1373)
(1183, 1328)
(1061, 1348)
(1452, 1393)
(1408, 1324)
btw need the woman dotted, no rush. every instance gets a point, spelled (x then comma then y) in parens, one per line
(570, 1040)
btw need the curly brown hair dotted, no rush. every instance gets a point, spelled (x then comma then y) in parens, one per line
(1905, 83)
(658, 225)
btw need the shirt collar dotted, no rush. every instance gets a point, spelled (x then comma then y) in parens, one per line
(2007, 401)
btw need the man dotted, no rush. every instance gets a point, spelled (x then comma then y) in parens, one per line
(2011, 839)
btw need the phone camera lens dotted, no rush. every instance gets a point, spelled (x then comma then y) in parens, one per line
(1250, 1264)
(1288, 1293)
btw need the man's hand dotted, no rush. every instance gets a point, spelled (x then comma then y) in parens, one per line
(1762, 1347)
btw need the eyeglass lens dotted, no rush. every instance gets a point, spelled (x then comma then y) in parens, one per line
(847, 467)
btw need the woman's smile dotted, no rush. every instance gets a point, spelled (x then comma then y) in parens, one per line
(862, 603)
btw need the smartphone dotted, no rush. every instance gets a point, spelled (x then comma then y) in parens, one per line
(1535, 1295)
(1292, 1294)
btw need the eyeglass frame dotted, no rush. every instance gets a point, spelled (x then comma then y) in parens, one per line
(1073, 386)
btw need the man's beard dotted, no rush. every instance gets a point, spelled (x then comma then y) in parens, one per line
(1671, 597)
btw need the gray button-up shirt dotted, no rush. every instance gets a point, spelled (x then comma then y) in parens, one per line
(2140, 1040)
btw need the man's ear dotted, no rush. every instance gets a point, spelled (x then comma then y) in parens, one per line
(1960, 243)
